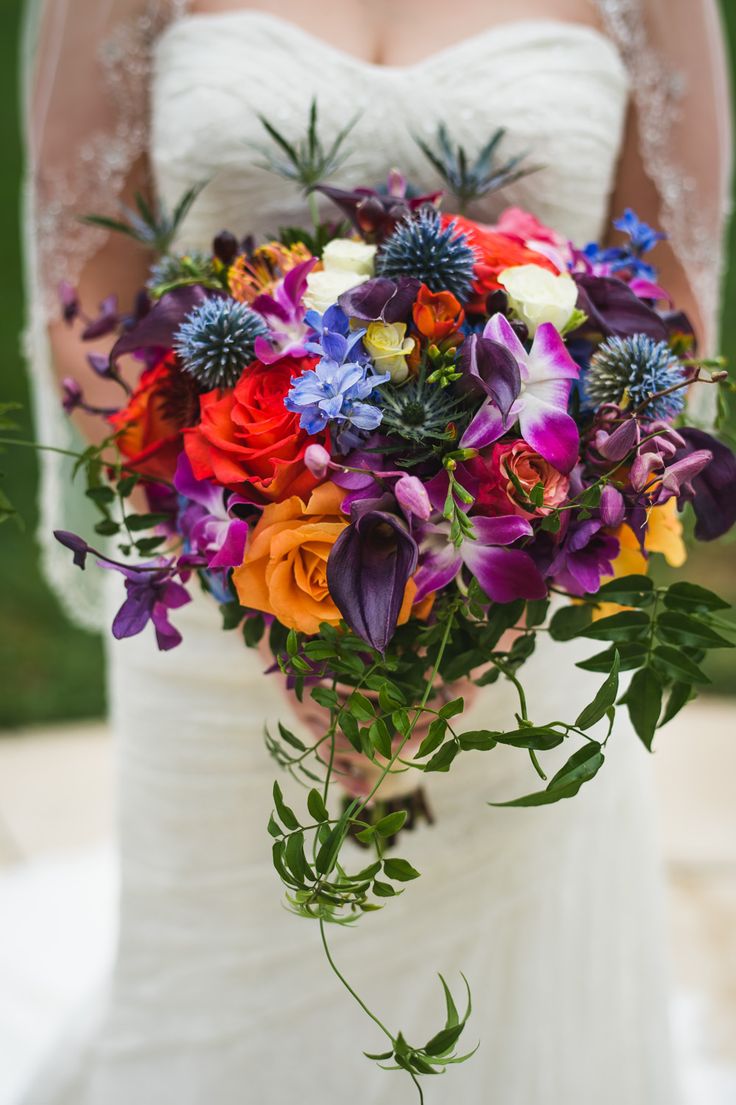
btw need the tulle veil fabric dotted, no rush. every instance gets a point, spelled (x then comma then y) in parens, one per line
(85, 118)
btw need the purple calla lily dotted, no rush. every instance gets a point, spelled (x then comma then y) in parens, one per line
(367, 572)
(381, 299)
(546, 372)
(613, 308)
(713, 490)
(504, 574)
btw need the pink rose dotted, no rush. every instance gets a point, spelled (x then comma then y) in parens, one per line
(498, 492)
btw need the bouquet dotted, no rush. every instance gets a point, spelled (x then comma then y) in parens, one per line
(383, 445)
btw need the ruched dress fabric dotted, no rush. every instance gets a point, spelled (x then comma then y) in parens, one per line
(219, 996)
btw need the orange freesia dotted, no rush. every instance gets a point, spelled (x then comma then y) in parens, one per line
(437, 315)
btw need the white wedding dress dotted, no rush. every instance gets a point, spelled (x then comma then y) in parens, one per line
(220, 996)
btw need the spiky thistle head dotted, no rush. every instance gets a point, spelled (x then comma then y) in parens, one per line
(217, 340)
(438, 256)
(632, 371)
(421, 413)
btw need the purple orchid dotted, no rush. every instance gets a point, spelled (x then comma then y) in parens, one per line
(504, 574)
(546, 375)
(368, 570)
(585, 555)
(284, 312)
(209, 526)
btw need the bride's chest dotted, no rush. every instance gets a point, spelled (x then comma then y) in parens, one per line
(559, 90)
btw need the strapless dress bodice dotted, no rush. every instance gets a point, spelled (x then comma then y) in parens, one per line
(560, 90)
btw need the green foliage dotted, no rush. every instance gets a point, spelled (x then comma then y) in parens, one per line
(471, 179)
(307, 161)
(149, 224)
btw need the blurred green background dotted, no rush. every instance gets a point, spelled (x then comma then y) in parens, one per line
(52, 671)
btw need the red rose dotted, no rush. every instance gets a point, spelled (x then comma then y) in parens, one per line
(150, 425)
(494, 253)
(247, 435)
(498, 492)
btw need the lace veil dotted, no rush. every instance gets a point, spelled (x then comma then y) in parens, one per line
(86, 65)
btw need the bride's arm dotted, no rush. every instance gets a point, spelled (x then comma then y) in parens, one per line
(676, 164)
(86, 119)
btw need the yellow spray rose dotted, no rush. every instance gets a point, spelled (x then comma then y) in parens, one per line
(537, 295)
(389, 347)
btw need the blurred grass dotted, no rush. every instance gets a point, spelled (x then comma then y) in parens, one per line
(51, 670)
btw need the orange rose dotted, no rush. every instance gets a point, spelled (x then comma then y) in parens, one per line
(246, 435)
(150, 426)
(494, 253)
(285, 568)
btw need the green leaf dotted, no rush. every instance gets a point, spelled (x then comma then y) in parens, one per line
(327, 855)
(253, 629)
(361, 707)
(644, 701)
(480, 740)
(453, 1017)
(137, 522)
(285, 813)
(295, 858)
(582, 766)
(433, 739)
(316, 806)
(444, 1041)
(536, 612)
(390, 697)
(631, 655)
(679, 696)
(384, 890)
(674, 663)
(634, 590)
(400, 870)
(107, 528)
(442, 760)
(532, 736)
(604, 699)
(292, 643)
(291, 739)
(570, 622)
(451, 709)
(691, 597)
(380, 738)
(391, 823)
(628, 625)
(325, 696)
(682, 629)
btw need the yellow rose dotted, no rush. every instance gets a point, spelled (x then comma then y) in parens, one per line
(349, 255)
(537, 295)
(389, 347)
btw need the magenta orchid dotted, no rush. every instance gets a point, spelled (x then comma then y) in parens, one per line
(284, 312)
(504, 574)
(547, 372)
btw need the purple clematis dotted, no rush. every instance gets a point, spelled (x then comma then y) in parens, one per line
(151, 593)
(504, 574)
(284, 312)
(546, 375)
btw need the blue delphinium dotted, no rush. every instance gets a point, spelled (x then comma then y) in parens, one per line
(642, 239)
(638, 368)
(337, 388)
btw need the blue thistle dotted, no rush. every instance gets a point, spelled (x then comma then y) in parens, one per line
(636, 368)
(440, 257)
(217, 340)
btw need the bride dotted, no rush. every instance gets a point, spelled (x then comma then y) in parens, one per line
(218, 995)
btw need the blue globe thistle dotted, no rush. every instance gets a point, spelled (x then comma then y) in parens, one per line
(438, 256)
(636, 367)
(217, 340)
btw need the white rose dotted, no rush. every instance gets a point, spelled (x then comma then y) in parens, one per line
(324, 287)
(347, 255)
(537, 295)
